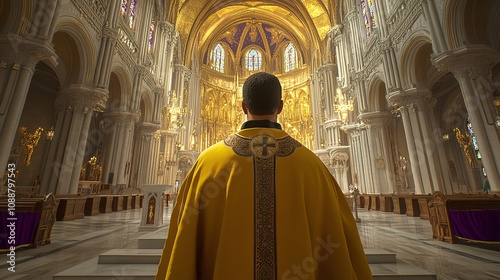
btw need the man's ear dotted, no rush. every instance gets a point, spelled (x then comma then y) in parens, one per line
(244, 108)
(280, 107)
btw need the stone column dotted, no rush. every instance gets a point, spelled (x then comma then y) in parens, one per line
(412, 151)
(145, 161)
(431, 14)
(366, 177)
(471, 66)
(18, 57)
(118, 147)
(379, 123)
(75, 107)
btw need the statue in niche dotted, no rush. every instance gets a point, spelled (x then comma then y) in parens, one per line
(151, 211)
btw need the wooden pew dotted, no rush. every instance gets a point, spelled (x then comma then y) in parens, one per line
(441, 207)
(105, 205)
(361, 201)
(385, 201)
(92, 204)
(46, 206)
(368, 201)
(374, 202)
(71, 207)
(127, 202)
(399, 204)
(423, 204)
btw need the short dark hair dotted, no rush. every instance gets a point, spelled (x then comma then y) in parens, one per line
(262, 93)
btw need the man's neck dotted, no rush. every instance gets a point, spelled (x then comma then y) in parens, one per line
(273, 117)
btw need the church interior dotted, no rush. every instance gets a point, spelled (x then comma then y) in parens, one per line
(106, 105)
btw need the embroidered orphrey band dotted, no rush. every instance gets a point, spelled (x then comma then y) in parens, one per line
(264, 149)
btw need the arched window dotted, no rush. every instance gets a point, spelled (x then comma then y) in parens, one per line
(151, 36)
(131, 16)
(253, 60)
(290, 58)
(127, 10)
(218, 57)
(124, 8)
(368, 10)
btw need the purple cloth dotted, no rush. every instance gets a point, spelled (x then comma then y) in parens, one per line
(25, 228)
(480, 225)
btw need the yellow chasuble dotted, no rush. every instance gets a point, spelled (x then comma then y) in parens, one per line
(259, 205)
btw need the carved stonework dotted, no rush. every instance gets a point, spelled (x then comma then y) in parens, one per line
(377, 118)
(82, 98)
(472, 61)
(125, 118)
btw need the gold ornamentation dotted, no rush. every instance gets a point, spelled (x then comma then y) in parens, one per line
(29, 141)
(264, 148)
(465, 141)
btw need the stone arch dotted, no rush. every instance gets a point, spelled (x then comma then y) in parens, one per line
(416, 66)
(38, 112)
(14, 16)
(376, 95)
(76, 53)
(120, 90)
(472, 22)
(146, 107)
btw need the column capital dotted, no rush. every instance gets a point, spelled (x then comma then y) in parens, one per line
(148, 128)
(471, 60)
(336, 31)
(25, 51)
(82, 97)
(109, 32)
(409, 96)
(123, 117)
(385, 44)
(376, 118)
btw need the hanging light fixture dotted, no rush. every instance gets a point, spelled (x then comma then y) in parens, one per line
(49, 135)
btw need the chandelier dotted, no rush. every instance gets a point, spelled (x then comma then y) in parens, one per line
(342, 107)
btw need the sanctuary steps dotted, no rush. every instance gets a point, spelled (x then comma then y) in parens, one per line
(141, 263)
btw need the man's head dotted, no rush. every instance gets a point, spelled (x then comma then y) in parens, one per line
(262, 94)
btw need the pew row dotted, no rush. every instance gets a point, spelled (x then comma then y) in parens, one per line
(33, 219)
(462, 219)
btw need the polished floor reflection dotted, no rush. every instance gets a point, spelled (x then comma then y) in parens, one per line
(76, 241)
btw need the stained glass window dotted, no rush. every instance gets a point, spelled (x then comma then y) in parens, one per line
(218, 57)
(290, 58)
(131, 17)
(474, 140)
(151, 37)
(253, 60)
(368, 11)
(123, 9)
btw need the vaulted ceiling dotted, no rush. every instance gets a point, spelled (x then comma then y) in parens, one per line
(202, 22)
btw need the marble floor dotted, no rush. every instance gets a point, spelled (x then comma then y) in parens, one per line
(76, 241)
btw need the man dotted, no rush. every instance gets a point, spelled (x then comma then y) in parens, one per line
(259, 205)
